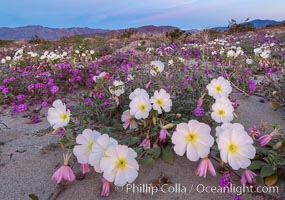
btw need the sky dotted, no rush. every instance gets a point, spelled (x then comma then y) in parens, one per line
(116, 14)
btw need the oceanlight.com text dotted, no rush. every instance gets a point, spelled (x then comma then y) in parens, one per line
(196, 188)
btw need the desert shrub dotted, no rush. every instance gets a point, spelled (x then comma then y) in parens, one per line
(235, 27)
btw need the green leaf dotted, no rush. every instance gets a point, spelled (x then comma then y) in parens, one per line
(118, 127)
(256, 164)
(167, 154)
(281, 163)
(266, 171)
(154, 132)
(146, 160)
(262, 150)
(105, 130)
(64, 140)
(130, 141)
(258, 179)
(138, 150)
(154, 151)
(130, 131)
(33, 197)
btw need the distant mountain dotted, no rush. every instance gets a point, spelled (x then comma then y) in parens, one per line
(154, 29)
(193, 31)
(28, 32)
(143, 29)
(257, 23)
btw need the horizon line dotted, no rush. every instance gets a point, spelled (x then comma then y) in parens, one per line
(112, 29)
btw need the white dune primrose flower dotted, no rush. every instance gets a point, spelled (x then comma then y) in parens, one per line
(171, 62)
(161, 100)
(58, 116)
(120, 166)
(236, 147)
(257, 51)
(265, 55)
(43, 57)
(86, 140)
(219, 87)
(228, 126)
(231, 53)
(100, 76)
(103, 142)
(239, 52)
(193, 138)
(222, 110)
(157, 67)
(128, 120)
(139, 92)
(249, 61)
(64, 54)
(130, 77)
(140, 107)
(118, 88)
(8, 58)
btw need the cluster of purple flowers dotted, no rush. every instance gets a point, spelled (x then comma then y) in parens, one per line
(252, 85)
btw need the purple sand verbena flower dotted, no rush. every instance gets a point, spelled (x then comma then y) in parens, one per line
(107, 103)
(21, 97)
(88, 101)
(252, 85)
(39, 85)
(5, 90)
(199, 111)
(22, 108)
(54, 89)
(31, 87)
(44, 104)
(226, 180)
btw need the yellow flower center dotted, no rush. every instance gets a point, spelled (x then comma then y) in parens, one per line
(63, 116)
(156, 68)
(219, 88)
(233, 148)
(121, 163)
(191, 137)
(159, 101)
(119, 87)
(142, 107)
(89, 145)
(221, 112)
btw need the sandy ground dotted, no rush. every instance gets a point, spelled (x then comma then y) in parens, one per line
(34, 159)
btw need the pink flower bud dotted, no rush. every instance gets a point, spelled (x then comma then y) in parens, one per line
(126, 123)
(105, 188)
(200, 102)
(64, 173)
(204, 166)
(162, 135)
(247, 177)
(145, 143)
(264, 140)
(254, 132)
(85, 168)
